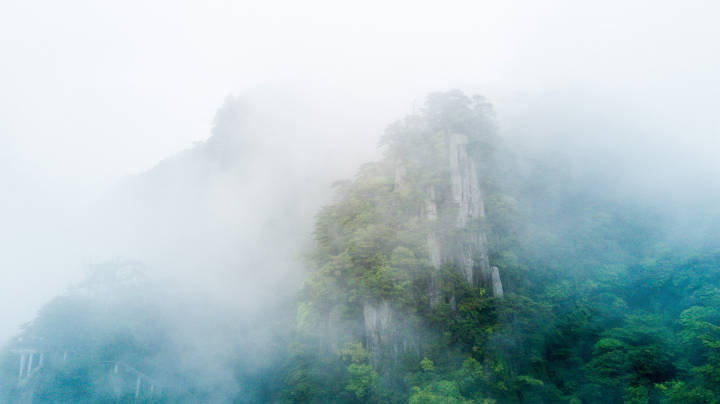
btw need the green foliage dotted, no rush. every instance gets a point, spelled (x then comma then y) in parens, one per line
(362, 379)
(442, 391)
(599, 306)
(678, 392)
(427, 365)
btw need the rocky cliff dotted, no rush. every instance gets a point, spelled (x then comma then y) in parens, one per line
(463, 245)
(408, 234)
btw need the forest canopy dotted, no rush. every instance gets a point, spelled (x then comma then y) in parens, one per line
(454, 269)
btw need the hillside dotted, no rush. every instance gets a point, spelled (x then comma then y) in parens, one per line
(455, 268)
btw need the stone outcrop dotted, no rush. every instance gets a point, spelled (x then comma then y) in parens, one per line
(464, 180)
(378, 324)
(497, 288)
(453, 215)
(388, 331)
(466, 244)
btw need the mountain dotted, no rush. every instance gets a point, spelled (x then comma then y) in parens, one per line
(456, 267)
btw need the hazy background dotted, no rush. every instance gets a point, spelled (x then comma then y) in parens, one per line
(93, 92)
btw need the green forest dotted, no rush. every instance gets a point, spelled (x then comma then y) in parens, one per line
(454, 269)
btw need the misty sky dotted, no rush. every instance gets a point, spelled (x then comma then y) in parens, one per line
(95, 90)
(92, 91)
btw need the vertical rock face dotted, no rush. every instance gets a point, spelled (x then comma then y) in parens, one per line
(430, 213)
(433, 245)
(440, 169)
(378, 324)
(467, 247)
(465, 185)
(497, 288)
(387, 331)
(472, 249)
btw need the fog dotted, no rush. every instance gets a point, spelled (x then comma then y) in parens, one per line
(112, 146)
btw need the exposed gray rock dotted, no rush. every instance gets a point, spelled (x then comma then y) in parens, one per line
(433, 245)
(471, 249)
(430, 213)
(388, 331)
(378, 324)
(464, 244)
(469, 252)
(497, 288)
(465, 185)
(468, 247)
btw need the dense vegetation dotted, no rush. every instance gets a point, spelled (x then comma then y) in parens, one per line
(603, 302)
(599, 306)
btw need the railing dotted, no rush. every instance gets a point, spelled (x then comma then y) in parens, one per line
(31, 361)
(27, 360)
(140, 377)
